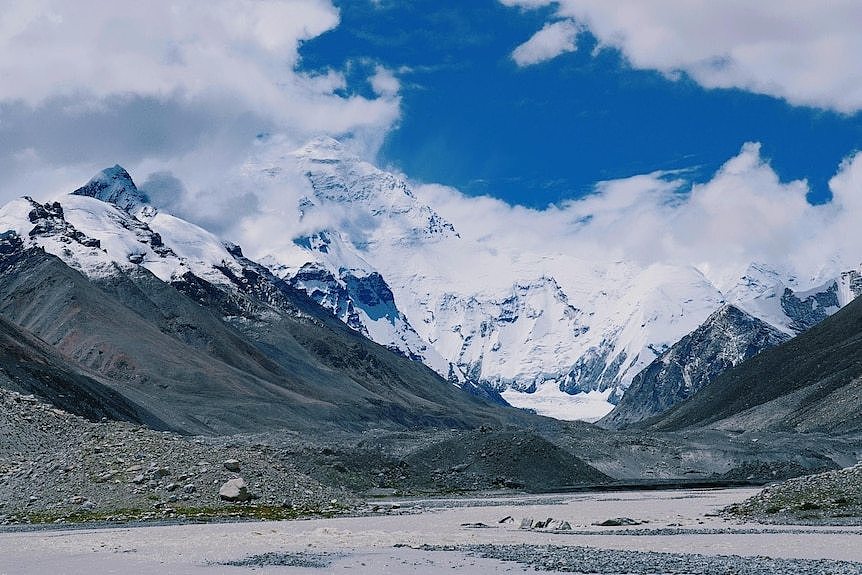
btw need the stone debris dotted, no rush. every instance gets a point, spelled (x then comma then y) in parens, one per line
(54, 466)
(832, 497)
(575, 559)
(549, 524)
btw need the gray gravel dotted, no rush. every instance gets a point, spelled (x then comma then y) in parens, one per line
(306, 560)
(674, 531)
(603, 561)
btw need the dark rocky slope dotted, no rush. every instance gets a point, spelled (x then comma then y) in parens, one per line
(727, 338)
(810, 383)
(276, 361)
(30, 366)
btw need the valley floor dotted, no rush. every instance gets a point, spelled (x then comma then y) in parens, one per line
(678, 532)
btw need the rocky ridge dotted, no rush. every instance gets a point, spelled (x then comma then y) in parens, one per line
(727, 338)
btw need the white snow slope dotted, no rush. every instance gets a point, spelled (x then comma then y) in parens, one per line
(100, 239)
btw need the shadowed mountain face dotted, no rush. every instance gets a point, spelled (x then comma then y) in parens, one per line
(29, 365)
(727, 338)
(203, 359)
(810, 383)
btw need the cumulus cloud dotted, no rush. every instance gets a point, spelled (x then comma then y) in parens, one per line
(384, 83)
(553, 39)
(742, 215)
(803, 52)
(165, 85)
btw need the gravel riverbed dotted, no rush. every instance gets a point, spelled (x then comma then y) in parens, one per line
(678, 532)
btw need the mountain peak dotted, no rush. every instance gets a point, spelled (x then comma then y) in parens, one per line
(114, 185)
(325, 150)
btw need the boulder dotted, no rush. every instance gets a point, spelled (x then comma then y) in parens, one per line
(234, 490)
(617, 522)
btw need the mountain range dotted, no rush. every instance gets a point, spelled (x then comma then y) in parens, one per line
(178, 314)
(116, 309)
(559, 333)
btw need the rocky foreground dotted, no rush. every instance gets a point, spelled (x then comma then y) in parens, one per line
(834, 497)
(57, 467)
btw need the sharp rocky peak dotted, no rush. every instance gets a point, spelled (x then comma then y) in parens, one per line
(114, 185)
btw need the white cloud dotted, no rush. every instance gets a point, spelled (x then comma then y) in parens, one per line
(170, 85)
(743, 214)
(804, 52)
(50, 48)
(384, 83)
(553, 39)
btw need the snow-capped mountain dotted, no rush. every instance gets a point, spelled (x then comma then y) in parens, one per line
(158, 321)
(556, 332)
(551, 331)
(346, 285)
(101, 239)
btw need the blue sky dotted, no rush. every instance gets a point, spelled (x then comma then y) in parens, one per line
(473, 119)
(531, 102)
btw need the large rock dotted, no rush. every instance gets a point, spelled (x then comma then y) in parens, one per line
(234, 490)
